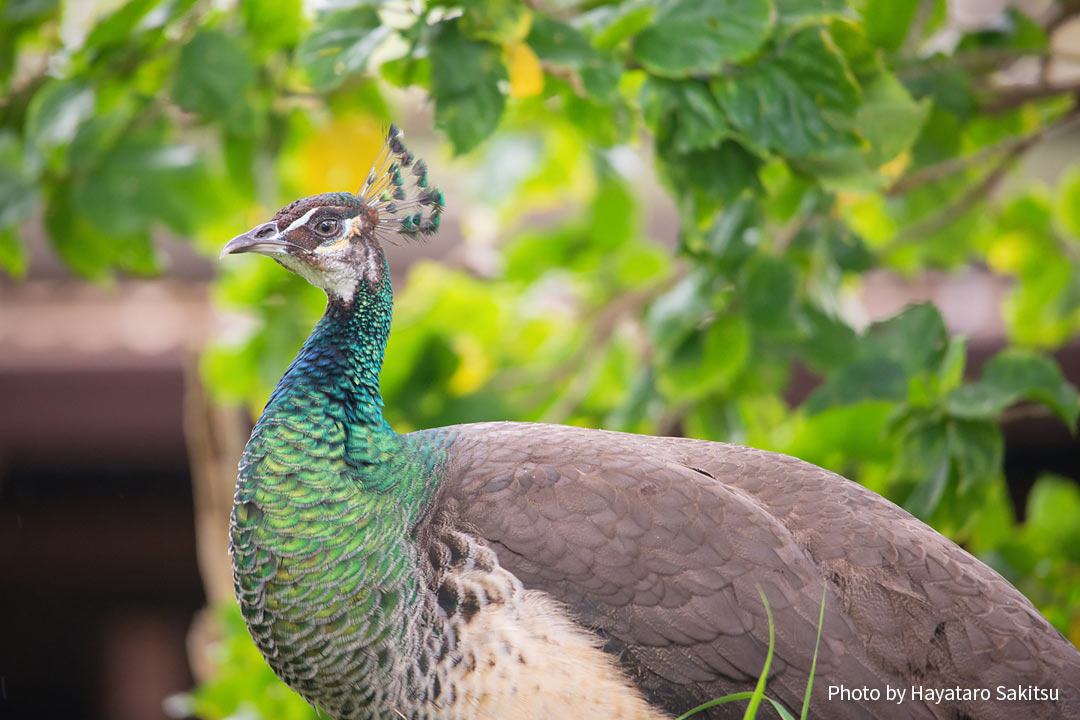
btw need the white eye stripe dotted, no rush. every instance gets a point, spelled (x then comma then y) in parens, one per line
(301, 220)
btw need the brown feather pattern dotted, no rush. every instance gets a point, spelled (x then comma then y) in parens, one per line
(659, 545)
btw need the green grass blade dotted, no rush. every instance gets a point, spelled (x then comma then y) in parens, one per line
(759, 689)
(780, 709)
(758, 694)
(714, 702)
(813, 665)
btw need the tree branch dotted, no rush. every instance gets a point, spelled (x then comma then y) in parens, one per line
(976, 193)
(1013, 97)
(933, 173)
(605, 321)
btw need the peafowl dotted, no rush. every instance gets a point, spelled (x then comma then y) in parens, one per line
(513, 570)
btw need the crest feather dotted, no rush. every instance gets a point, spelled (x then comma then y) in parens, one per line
(398, 192)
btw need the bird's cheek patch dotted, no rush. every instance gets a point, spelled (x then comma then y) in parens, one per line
(339, 244)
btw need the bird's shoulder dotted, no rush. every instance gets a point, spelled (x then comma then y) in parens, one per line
(663, 544)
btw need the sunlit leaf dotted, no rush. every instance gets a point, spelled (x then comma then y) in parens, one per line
(13, 256)
(799, 100)
(1014, 375)
(273, 25)
(17, 191)
(707, 360)
(1068, 203)
(497, 21)
(340, 44)
(56, 112)
(213, 78)
(465, 77)
(769, 293)
(613, 24)
(699, 36)
(118, 25)
(685, 111)
(526, 75)
(561, 44)
(796, 12)
(887, 21)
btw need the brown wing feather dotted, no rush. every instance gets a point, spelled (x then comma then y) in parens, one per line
(660, 545)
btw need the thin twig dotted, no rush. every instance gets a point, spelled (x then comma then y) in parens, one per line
(1013, 97)
(568, 74)
(1025, 411)
(918, 25)
(976, 193)
(933, 173)
(603, 327)
(947, 214)
(790, 229)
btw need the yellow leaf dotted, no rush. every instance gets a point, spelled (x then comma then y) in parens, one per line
(1008, 252)
(896, 167)
(336, 156)
(526, 75)
(474, 368)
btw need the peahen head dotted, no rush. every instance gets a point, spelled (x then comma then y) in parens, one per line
(334, 240)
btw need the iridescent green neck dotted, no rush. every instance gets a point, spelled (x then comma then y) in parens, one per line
(337, 370)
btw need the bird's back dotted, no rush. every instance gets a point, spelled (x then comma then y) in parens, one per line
(660, 547)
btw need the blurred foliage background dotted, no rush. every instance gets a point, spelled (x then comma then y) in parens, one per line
(805, 145)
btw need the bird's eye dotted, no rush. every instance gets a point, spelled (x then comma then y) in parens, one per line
(327, 227)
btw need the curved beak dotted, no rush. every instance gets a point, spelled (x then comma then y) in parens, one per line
(263, 239)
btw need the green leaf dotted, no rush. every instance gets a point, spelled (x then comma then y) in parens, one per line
(839, 436)
(18, 11)
(612, 24)
(684, 111)
(768, 291)
(732, 238)
(700, 36)
(951, 374)
(865, 379)
(1016, 32)
(145, 179)
(704, 181)
(887, 21)
(12, 253)
(561, 44)
(925, 458)
(213, 78)
(798, 12)
(18, 193)
(886, 357)
(118, 26)
(707, 361)
(1052, 509)
(889, 118)
(275, 25)
(675, 314)
(799, 100)
(829, 343)
(465, 77)
(558, 42)
(1067, 208)
(1013, 375)
(978, 451)
(84, 248)
(405, 71)
(916, 338)
(496, 21)
(340, 44)
(56, 113)
(952, 91)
